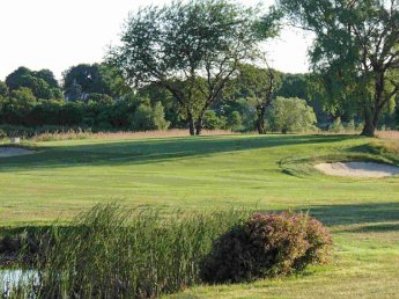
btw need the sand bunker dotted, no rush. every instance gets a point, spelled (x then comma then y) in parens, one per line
(358, 169)
(13, 151)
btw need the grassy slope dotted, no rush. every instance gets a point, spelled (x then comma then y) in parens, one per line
(219, 172)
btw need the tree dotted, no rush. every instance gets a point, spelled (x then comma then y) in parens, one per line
(42, 83)
(84, 79)
(3, 89)
(159, 117)
(359, 40)
(333, 97)
(260, 85)
(234, 121)
(191, 49)
(291, 114)
(17, 106)
(293, 85)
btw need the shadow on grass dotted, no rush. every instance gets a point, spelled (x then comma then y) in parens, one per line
(361, 214)
(378, 228)
(154, 150)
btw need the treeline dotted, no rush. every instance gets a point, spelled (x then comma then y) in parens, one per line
(88, 99)
(96, 98)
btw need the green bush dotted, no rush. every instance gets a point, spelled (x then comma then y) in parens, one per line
(143, 119)
(234, 121)
(291, 115)
(159, 117)
(212, 121)
(267, 245)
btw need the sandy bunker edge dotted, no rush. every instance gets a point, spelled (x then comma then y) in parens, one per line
(358, 169)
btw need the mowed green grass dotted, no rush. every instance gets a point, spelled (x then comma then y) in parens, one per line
(206, 173)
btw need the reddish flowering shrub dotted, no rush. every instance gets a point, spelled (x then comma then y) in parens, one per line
(267, 245)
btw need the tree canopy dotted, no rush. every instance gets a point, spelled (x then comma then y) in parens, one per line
(42, 83)
(357, 45)
(192, 49)
(259, 86)
(84, 79)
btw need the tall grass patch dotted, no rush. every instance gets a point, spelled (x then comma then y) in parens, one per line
(111, 252)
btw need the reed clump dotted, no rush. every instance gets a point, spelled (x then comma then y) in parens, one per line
(111, 252)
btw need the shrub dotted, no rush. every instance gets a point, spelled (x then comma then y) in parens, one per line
(234, 121)
(212, 121)
(159, 117)
(267, 245)
(291, 115)
(143, 119)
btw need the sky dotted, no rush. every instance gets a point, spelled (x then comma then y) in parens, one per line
(58, 34)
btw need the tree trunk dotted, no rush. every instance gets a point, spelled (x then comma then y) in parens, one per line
(260, 122)
(371, 115)
(198, 126)
(369, 128)
(191, 125)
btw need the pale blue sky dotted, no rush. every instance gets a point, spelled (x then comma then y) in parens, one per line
(57, 34)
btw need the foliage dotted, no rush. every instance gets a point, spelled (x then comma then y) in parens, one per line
(143, 118)
(147, 118)
(3, 89)
(294, 86)
(42, 83)
(191, 49)
(99, 113)
(290, 115)
(159, 117)
(234, 121)
(356, 50)
(212, 121)
(258, 86)
(267, 246)
(81, 82)
(114, 252)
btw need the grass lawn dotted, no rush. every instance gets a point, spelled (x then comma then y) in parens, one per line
(260, 172)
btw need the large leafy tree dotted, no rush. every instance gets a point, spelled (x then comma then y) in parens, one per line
(85, 79)
(191, 49)
(42, 83)
(259, 86)
(357, 47)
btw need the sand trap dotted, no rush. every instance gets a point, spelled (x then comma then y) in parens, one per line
(13, 151)
(358, 169)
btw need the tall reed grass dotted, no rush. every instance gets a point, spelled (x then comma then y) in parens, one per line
(112, 252)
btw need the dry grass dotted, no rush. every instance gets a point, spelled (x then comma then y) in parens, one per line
(388, 143)
(388, 134)
(125, 135)
(158, 134)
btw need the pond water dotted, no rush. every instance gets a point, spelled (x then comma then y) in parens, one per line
(10, 278)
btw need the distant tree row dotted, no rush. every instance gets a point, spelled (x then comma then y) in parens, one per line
(246, 104)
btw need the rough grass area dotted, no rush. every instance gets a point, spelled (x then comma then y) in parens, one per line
(218, 172)
(72, 135)
(388, 134)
